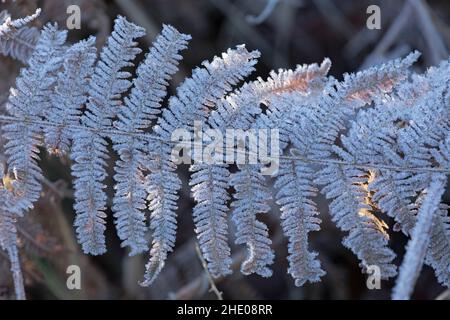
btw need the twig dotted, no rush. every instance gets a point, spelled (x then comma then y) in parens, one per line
(391, 34)
(436, 46)
(51, 186)
(208, 274)
(444, 295)
(366, 37)
(265, 13)
(187, 290)
(32, 240)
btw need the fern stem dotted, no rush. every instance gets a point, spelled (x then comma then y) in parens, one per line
(150, 137)
(16, 273)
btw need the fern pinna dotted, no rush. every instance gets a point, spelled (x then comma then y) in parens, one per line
(375, 143)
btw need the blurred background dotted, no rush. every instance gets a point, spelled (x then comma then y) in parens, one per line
(287, 32)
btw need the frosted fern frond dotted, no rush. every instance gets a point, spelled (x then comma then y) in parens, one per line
(209, 188)
(70, 95)
(200, 93)
(400, 131)
(290, 107)
(28, 101)
(361, 88)
(141, 107)
(385, 162)
(239, 109)
(420, 238)
(162, 185)
(90, 152)
(16, 39)
(366, 141)
(372, 141)
(8, 234)
(351, 210)
(285, 93)
(8, 242)
(314, 136)
(195, 98)
(298, 218)
(438, 252)
(251, 198)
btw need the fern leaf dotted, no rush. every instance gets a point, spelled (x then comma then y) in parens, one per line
(361, 88)
(161, 185)
(141, 107)
(369, 141)
(209, 188)
(8, 235)
(17, 40)
(387, 160)
(28, 102)
(8, 242)
(351, 210)
(420, 237)
(239, 109)
(301, 85)
(400, 131)
(367, 236)
(69, 96)
(298, 218)
(438, 254)
(90, 152)
(251, 198)
(195, 98)
(197, 95)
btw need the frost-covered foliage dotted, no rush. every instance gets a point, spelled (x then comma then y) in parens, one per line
(195, 98)
(8, 234)
(89, 151)
(141, 108)
(375, 143)
(28, 102)
(16, 39)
